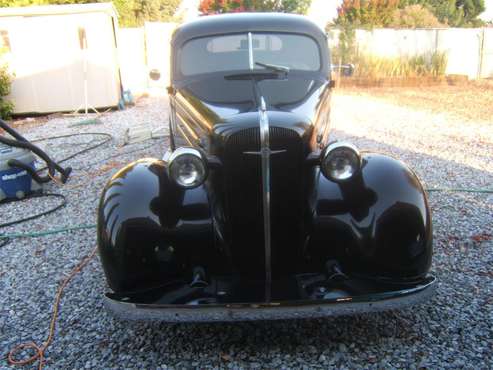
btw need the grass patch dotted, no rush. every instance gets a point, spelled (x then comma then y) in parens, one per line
(375, 67)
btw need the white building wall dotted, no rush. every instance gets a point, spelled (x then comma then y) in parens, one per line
(132, 57)
(48, 63)
(394, 43)
(158, 38)
(487, 52)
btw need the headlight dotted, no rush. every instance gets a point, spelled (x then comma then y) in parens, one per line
(340, 161)
(187, 167)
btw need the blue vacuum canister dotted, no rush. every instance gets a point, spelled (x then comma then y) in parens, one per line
(15, 182)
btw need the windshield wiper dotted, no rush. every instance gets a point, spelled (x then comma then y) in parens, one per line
(273, 67)
(274, 72)
(255, 75)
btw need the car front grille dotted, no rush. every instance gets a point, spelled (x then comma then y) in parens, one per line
(243, 198)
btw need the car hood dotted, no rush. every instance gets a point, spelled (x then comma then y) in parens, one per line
(220, 101)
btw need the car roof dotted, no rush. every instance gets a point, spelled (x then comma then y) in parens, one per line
(247, 22)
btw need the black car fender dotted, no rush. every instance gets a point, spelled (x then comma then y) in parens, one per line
(378, 223)
(150, 230)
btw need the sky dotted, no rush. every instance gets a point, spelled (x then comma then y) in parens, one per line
(323, 11)
(488, 13)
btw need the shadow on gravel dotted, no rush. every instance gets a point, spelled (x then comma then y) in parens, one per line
(265, 335)
(294, 343)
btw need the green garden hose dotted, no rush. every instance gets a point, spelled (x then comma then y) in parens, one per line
(460, 190)
(47, 232)
(89, 226)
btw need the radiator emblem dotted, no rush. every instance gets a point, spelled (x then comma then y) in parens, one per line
(271, 152)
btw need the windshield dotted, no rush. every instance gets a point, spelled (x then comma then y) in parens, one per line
(242, 52)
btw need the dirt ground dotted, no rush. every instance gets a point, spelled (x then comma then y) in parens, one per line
(473, 101)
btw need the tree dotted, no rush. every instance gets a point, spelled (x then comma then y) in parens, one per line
(132, 13)
(455, 13)
(152, 10)
(366, 13)
(229, 6)
(414, 16)
(381, 13)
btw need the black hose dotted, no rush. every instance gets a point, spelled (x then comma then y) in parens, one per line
(122, 154)
(62, 204)
(34, 174)
(35, 150)
(11, 131)
(23, 143)
(85, 150)
(4, 242)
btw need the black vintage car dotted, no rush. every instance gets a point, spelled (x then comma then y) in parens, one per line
(255, 213)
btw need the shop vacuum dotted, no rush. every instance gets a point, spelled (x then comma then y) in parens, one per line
(19, 177)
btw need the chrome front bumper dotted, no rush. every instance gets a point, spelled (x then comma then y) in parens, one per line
(275, 310)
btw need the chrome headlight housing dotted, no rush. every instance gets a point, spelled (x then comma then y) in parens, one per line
(340, 161)
(187, 167)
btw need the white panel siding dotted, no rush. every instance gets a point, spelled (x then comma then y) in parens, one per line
(469, 50)
(487, 52)
(131, 52)
(47, 62)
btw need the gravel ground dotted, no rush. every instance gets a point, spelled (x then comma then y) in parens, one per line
(455, 330)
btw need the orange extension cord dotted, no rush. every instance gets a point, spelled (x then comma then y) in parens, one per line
(40, 350)
(103, 170)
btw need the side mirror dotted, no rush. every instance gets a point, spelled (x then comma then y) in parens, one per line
(154, 74)
(346, 69)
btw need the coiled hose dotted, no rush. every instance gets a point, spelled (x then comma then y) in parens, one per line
(21, 142)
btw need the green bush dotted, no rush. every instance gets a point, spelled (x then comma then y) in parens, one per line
(6, 107)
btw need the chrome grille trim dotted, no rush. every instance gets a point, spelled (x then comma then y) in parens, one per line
(265, 156)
